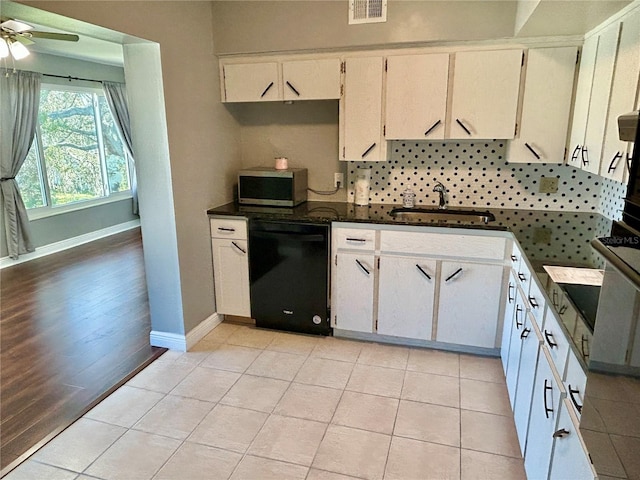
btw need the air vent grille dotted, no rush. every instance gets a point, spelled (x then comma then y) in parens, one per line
(367, 11)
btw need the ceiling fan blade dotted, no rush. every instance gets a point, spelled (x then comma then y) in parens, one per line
(16, 26)
(23, 39)
(67, 37)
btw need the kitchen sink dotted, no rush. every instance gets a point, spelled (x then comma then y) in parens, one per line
(436, 215)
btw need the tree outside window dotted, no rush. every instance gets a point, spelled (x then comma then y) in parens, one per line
(77, 154)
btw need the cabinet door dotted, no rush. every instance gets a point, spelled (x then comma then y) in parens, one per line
(468, 303)
(353, 293)
(570, 456)
(515, 349)
(416, 96)
(231, 276)
(543, 419)
(485, 94)
(361, 110)
(507, 324)
(546, 106)
(623, 93)
(600, 93)
(406, 294)
(581, 103)
(251, 82)
(311, 79)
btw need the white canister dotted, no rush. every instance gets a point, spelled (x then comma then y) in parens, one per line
(282, 163)
(408, 198)
(362, 184)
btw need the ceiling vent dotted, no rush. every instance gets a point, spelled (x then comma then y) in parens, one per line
(367, 11)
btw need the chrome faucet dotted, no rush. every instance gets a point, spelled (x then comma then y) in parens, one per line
(440, 188)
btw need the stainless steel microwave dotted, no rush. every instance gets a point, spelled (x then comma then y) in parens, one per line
(268, 186)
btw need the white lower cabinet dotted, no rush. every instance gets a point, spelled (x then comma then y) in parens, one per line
(570, 456)
(353, 292)
(515, 346)
(469, 303)
(406, 296)
(546, 401)
(507, 323)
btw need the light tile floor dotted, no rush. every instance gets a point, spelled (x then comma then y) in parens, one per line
(258, 405)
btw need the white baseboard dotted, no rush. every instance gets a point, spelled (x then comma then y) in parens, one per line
(182, 343)
(69, 243)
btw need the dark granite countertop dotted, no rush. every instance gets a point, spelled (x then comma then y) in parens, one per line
(548, 237)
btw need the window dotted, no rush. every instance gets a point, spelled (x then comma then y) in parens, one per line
(77, 155)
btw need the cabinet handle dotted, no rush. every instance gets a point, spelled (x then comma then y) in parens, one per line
(514, 258)
(225, 229)
(560, 433)
(563, 309)
(551, 343)
(518, 322)
(525, 333)
(266, 89)
(573, 399)
(366, 152)
(629, 161)
(511, 287)
(585, 156)
(463, 127)
(554, 299)
(293, 88)
(533, 302)
(584, 341)
(239, 247)
(431, 128)
(454, 274)
(574, 155)
(547, 410)
(535, 154)
(614, 162)
(363, 267)
(360, 240)
(522, 276)
(423, 272)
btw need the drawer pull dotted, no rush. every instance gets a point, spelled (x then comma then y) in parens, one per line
(551, 342)
(535, 154)
(561, 433)
(533, 302)
(585, 156)
(266, 89)
(518, 322)
(614, 162)
(584, 341)
(463, 126)
(547, 410)
(573, 398)
(511, 287)
(514, 258)
(360, 240)
(554, 299)
(574, 155)
(525, 333)
(454, 274)
(293, 88)
(431, 128)
(368, 150)
(226, 229)
(364, 269)
(423, 272)
(563, 309)
(522, 276)
(239, 247)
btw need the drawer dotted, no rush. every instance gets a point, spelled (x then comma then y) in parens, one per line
(515, 257)
(524, 276)
(556, 341)
(354, 239)
(443, 244)
(582, 338)
(568, 314)
(229, 227)
(575, 380)
(537, 302)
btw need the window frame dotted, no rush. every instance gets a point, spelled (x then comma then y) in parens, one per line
(108, 196)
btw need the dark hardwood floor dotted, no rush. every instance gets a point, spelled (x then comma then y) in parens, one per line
(73, 327)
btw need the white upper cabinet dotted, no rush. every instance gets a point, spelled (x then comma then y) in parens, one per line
(600, 94)
(251, 82)
(311, 79)
(361, 111)
(623, 97)
(546, 106)
(416, 96)
(485, 94)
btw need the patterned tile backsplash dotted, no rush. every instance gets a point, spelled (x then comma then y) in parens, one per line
(476, 174)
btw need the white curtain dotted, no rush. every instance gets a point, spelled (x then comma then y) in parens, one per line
(19, 101)
(116, 95)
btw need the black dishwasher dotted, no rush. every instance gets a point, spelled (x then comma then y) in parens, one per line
(289, 275)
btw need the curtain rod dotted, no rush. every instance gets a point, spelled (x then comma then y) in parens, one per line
(69, 77)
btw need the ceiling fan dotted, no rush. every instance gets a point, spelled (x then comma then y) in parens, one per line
(15, 36)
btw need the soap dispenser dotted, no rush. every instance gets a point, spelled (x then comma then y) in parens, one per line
(408, 198)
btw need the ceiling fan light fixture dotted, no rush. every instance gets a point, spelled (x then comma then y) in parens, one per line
(18, 50)
(4, 48)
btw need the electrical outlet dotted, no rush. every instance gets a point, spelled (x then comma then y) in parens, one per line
(548, 184)
(338, 179)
